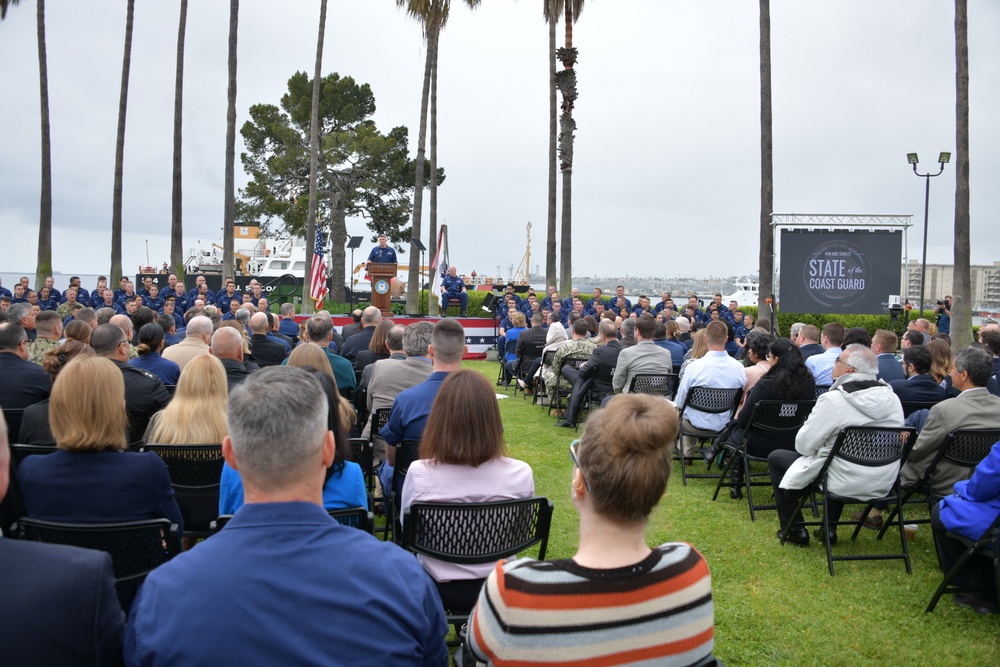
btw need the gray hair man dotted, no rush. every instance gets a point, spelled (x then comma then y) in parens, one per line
(282, 457)
(197, 338)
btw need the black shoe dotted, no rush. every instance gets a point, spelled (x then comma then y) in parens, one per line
(818, 534)
(976, 604)
(565, 424)
(709, 453)
(797, 536)
(736, 493)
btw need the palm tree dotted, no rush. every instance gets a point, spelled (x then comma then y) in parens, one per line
(116, 204)
(307, 304)
(43, 265)
(433, 14)
(961, 322)
(765, 262)
(566, 82)
(176, 222)
(432, 304)
(229, 202)
(553, 10)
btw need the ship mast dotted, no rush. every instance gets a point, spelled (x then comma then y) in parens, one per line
(523, 274)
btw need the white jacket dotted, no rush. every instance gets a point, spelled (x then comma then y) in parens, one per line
(836, 409)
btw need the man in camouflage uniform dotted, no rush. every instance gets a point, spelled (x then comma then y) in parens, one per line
(579, 346)
(48, 324)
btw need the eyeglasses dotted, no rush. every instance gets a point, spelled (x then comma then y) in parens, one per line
(841, 361)
(576, 462)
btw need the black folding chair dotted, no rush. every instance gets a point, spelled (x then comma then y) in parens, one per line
(195, 474)
(769, 419)
(871, 447)
(540, 391)
(655, 384)
(822, 389)
(704, 399)
(510, 346)
(136, 547)
(473, 533)
(13, 417)
(407, 452)
(909, 407)
(21, 452)
(987, 546)
(352, 517)
(963, 449)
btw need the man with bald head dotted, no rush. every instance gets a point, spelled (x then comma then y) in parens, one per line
(265, 350)
(197, 337)
(227, 346)
(370, 317)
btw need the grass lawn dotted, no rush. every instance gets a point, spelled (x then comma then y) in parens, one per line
(776, 605)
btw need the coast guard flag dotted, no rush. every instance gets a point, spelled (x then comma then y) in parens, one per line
(440, 262)
(317, 279)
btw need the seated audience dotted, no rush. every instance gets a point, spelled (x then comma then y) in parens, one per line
(328, 607)
(376, 348)
(617, 598)
(917, 386)
(463, 460)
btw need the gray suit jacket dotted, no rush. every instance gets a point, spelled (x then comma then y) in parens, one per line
(972, 409)
(643, 357)
(389, 377)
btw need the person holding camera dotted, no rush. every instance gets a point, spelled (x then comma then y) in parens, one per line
(943, 312)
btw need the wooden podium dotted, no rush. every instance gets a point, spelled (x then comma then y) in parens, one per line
(381, 276)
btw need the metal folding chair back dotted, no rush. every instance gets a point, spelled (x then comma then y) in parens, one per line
(822, 389)
(136, 547)
(20, 452)
(195, 473)
(655, 384)
(987, 546)
(575, 361)
(713, 400)
(540, 391)
(363, 453)
(768, 419)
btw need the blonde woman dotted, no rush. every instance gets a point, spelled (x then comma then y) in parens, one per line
(92, 478)
(197, 413)
(698, 350)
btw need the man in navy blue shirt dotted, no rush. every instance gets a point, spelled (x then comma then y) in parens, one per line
(453, 287)
(382, 253)
(412, 406)
(225, 296)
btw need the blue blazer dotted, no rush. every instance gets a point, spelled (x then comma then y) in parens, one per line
(919, 389)
(889, 369)
(98, 487)
(24, 383)
(59, 606)
(976, 503)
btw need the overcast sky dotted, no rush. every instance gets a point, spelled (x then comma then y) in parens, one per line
(666, 175)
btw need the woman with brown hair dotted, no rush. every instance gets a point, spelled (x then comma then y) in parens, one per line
(79, 331)
(617, 601)
(940, 361)
(35, 429)
(463, 460)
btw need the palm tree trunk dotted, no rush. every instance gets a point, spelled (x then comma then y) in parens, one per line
(229, 201)
(765, 261)
(433, 305)
(176, 213)
(311, 231)
(550, 238)
(338, 254)
(43, 266)
(568, 125)
(413, 275)
(116, 205)
(961, 312)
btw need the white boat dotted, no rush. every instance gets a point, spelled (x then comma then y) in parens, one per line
(255, 256)
(746, 294)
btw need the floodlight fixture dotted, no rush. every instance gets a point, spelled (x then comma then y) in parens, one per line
(912, 158)
(944, 158)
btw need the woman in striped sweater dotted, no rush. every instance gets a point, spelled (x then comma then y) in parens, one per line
(617, 601)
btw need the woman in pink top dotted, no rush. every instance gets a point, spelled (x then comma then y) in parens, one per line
(463, 459)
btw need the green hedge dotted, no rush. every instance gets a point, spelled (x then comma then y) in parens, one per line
(869, 323)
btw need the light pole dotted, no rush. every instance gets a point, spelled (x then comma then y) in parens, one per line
(942, 161)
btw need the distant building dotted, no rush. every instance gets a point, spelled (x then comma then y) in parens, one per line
(940, 281)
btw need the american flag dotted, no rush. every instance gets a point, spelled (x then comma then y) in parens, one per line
(317, 280)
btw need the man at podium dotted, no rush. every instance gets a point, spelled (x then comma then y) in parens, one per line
(382, 253)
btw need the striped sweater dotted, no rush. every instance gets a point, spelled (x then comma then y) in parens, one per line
(557, 613)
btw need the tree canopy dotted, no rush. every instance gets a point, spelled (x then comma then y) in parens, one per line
(362, 172)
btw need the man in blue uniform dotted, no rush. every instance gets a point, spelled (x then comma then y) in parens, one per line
(453, 287)
(382, 253)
